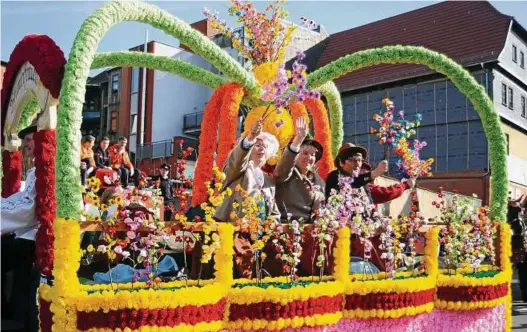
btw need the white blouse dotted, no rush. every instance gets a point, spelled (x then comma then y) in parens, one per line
(18, 210)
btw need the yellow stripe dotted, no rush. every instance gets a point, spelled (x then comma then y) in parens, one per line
(381, 313)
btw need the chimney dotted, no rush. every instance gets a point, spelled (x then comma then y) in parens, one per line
(205, 27)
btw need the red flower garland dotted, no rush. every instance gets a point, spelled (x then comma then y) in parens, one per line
(322, 134)
(472, 294)
(273, 311)
(389, 301)
(47, 59)
(12, 172)
(136, 318)
(46, 205)
(207, 147)
(228, 124)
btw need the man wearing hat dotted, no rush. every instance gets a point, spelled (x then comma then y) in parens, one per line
(350, 162)
(18, 229)
(299, 189)
(165, 183)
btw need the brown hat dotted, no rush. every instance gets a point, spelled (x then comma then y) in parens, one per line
(349, 149)
(317, 145)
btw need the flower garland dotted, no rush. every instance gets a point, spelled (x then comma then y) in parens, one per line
(12, 172)
(462, 79)
(207, 146)
(158, 62)
(297, 110)
(322, 134)
(233, 94)
(253, 308)
(45, 207)
(332, 94)
(47, 59)
(342, 255)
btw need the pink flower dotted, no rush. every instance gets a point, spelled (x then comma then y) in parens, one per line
(125, 254)
(131, 235)
(118, 250)
(143, 253)
(101, 248)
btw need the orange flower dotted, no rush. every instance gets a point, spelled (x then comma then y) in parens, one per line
(228, 124)
(322, 134)
(207, 146)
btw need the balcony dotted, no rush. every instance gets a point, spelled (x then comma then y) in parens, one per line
(192, 123)
(161, 149)
(165, 149)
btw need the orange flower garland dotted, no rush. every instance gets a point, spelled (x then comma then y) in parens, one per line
(322, 134)
(297, 110)
(207, 147)
(228, 124)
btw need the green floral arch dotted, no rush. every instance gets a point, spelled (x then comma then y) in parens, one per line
(158, 62)
(76, 73)
(461, 79)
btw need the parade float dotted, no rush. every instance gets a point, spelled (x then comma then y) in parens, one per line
(471, 292)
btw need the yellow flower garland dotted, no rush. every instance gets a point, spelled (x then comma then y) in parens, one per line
(281, 323)
(395, 313)
(200, 327)
(341, 255)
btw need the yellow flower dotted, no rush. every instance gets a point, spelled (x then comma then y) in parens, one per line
(90, 248)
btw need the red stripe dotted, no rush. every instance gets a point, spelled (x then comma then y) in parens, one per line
(472, 294)
(134, 319)
(274, 311)
(389, 301)
(45, 315)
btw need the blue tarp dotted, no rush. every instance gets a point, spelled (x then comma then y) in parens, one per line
(123, 273)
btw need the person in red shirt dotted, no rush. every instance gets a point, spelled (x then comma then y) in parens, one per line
(350, 162)
(120, 162)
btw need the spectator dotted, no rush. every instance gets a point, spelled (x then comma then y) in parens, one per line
(87, 158)
(102, 158)
(120, 162)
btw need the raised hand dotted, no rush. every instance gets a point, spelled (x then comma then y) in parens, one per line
(255, 131)
(300, 131)
(380, 169)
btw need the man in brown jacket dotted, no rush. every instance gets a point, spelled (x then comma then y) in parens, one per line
(299, 189)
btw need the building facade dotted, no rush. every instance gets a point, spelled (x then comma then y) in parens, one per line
(492, 48)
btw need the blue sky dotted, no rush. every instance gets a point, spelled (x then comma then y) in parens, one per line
(62, 19)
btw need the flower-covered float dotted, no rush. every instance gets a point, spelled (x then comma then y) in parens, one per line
(471, 291)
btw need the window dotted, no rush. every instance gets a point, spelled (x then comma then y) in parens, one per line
(113, 122)
(115, 82)
(507, 141)
(524, 112)
(522, 59)
(514, 54)
(135, 80)
(503, 94)
(511, 99)
(133, 127)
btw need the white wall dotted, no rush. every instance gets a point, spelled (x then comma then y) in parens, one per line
(505, 57)
(513, 115)
(175, 96)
